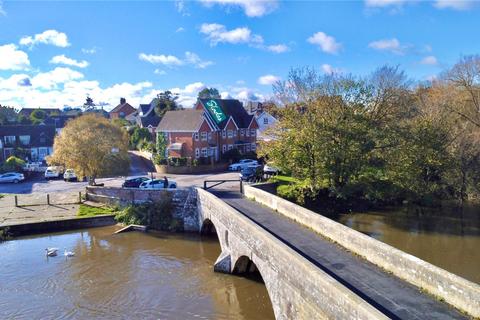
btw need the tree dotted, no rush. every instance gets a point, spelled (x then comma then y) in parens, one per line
(139, 135)
(89, 104)
(7, 115)
(38, 116)
(209, 93)
(92, 146)
(165, 101)
(161, 145)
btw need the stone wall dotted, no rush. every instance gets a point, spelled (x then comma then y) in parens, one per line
(184, 200)
(459, 292)
(297, 288)
(218, 167)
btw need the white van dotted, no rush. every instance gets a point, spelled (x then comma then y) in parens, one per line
(53, 173)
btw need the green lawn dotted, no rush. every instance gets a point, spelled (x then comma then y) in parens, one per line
(89, 211)
(284, 179)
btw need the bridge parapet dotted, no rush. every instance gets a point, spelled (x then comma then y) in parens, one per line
(297, 288)
(454, 290)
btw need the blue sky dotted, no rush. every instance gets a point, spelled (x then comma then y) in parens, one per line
(53, 54)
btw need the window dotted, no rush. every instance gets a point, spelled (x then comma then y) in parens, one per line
(252, 132)
(247, 133)
(197, 153)
(224, 148)
(24, 140)
(265, 120)
(196, 136)
(230, 147)
(204, 136)
(235, 133)
(254, 147)
(209, 136)
(230, 133)
(247, 148)
(224, 134)
(242, 132)
(204, 152)
(9, 140)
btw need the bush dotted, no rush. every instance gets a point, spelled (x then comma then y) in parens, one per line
(156, 215)
(160, 160)
(177, 161)
(232, 155)
(13, 164)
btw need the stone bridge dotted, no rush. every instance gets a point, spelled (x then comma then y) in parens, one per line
(327, 270)
(312, 267)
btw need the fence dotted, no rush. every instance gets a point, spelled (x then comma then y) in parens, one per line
(57, 198)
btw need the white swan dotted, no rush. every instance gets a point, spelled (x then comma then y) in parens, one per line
(68, 253)
(51, 252)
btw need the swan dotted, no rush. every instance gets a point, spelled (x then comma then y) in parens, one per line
(51, 252)
(68, 253)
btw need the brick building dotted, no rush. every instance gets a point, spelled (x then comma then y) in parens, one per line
(123, 110)
(211, 128)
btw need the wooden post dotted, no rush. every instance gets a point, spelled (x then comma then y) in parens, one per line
(48, 199)
(241, 186)
(16, 201)
(79, 197)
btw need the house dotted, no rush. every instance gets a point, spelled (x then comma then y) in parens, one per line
(48, 111)
(264, 119)
(211, 128)
(58, 122)
(30, 142)
(147, 118)
(122, 110)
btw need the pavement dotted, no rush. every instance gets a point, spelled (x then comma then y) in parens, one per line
(389, 294)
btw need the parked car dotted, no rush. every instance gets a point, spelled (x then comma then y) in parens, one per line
(14, 177)
(270, 170)
(157, 184)
(252, 173)
(53, 173)
(133, 182)
(242, 164)
(70, 175)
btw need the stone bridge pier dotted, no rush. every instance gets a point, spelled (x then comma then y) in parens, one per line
(297, 289)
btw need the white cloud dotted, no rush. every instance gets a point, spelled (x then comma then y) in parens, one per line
(252, 8)
(391, 45)
(325, 42)
(180, 29)
(52, 37)
(160, 72)
(89, 51)
(2, 12)
(383, 3)
(167, 60)
(218, 33)
(191, 58)
(14, 82)
(13, 59)
(52, 79)
(62, 59)
(268, 79)
(188, 95)
(429, 60)
(454, 4)
(181, 7)
(278, 48)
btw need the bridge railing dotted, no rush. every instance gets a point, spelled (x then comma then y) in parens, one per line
(219, 182)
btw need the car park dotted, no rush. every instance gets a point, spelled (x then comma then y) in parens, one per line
(11, 177)
(69, 175)
(270, 170)
(134, 182)
(252, 173)
(158, 184)
(242, 164)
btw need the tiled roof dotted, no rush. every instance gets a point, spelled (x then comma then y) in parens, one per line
(40, 135)
(188, 120)
(125, 107)
(231, 108)
(150, 120)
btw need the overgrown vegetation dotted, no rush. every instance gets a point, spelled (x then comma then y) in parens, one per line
(85, 211)
(157, 215)
(378, 140)
(12, 164)
(5, 234)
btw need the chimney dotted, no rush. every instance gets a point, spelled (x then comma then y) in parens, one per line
(123, 100)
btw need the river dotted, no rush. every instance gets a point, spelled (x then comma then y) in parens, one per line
(123, 276)
(446, 237)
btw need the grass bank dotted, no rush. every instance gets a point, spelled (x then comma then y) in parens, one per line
(85, 211)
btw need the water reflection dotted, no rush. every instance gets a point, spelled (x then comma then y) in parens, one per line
(447, 237)
(130, 275)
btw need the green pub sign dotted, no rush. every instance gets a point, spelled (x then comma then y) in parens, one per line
(216, 111)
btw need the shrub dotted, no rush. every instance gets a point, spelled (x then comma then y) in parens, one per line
(13, 164)
(159, 160)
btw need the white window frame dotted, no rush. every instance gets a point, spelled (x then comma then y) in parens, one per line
(235, 133)
(203, 136)
(209, 136)
(230, 147)
(224, 133)
(252, 132)
(9, 140)
(196, 136)
(230, 133)
(224, 148)
(22, 142)
(197, 153)
(247, 133)
(254, 147)
(204, 152)
(247, 148)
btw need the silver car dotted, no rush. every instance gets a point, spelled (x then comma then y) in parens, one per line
(14, 177)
